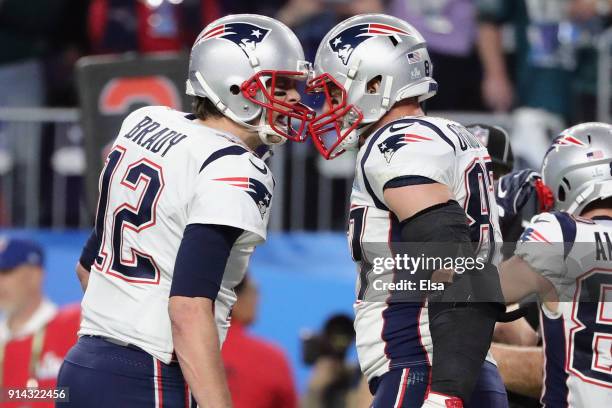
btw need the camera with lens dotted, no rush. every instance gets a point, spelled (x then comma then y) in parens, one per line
(333, 341)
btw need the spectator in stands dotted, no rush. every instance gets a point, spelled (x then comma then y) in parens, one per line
(546, 40)
(450, 29)
(117, 26)
(35, 334)
(258, 373)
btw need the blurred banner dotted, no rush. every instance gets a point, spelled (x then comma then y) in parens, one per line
(112, 86)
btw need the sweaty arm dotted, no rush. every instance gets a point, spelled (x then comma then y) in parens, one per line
(518, 332)
(407, 201)
(539, 260)
(518, 280)
(200, 263)
(520, 368)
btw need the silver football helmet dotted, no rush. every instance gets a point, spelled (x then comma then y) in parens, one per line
(358, 50)
(236, 63)
(578, 164)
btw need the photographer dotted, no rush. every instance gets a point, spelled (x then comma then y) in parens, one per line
(334, 382)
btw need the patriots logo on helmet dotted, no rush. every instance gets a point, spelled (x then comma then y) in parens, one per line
(568, 140)
(532, 235)
(565, 141)
(347, 40)
(254, 188)
(244, 35)
(393, 143)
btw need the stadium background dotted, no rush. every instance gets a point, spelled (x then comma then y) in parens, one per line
(52, 128)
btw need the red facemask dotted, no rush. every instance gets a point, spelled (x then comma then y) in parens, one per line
(327, 125)
(297, 114)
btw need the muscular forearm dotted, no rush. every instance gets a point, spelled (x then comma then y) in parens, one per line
(518, 280)
(517, 332)
(196, 344)
(520, 368)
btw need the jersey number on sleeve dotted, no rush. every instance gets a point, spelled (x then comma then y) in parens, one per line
(477, 205)
(590, 342)
(138, 266)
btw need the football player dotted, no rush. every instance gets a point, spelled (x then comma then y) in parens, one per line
(519, 194)
(184, 200)
(418, 180)
(565, 257)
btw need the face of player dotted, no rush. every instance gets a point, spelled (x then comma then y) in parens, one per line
(277, 92)
(334, 100)
(336, 94)
(337, 119)
(18, 286)
(284, 92)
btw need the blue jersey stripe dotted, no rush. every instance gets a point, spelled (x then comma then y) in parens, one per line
(401, 335)
(234, 150)
(568, 229)
(555, 384)
(370, 142)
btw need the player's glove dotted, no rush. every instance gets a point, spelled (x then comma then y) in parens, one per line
(514, 190)
(435, 400)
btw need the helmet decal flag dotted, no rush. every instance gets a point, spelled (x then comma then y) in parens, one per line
(245, 35)
(346, 41)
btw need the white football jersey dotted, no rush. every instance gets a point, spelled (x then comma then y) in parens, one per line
(575, 254)
(389, 334)
(164, 172)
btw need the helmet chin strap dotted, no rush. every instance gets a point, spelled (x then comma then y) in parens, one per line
(266, 133)
(263, 129)
(351, 141)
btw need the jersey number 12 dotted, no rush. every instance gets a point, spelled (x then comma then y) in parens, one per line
(138, 266)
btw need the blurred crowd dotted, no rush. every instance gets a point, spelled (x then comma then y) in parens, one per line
(535, 60)
(523, 53)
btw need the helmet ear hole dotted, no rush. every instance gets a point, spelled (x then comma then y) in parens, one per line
(561, 193)
(235, 89)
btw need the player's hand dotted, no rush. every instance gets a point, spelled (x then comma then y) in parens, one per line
(512, 193)
(435, 400)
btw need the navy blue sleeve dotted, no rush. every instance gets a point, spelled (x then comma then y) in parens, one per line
(90, 251)
(201, 260)
(403, 181)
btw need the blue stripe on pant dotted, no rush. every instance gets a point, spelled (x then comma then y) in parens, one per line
(406, 388)
(489, 391)
(102, 374)
(401, 388)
